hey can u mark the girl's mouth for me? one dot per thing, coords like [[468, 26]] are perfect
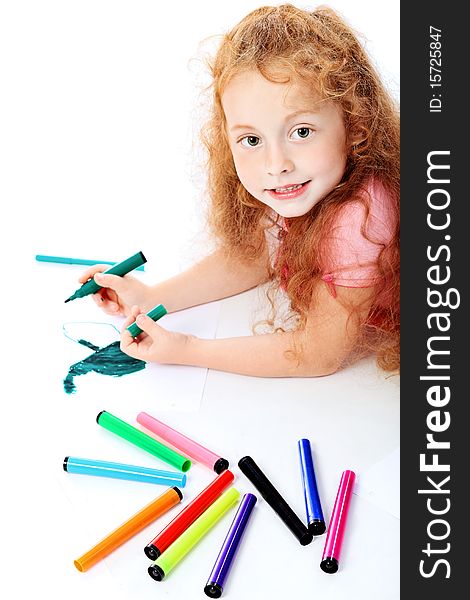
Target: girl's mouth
[[287, 192]]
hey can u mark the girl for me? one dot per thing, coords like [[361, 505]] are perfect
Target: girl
[[303, 166]]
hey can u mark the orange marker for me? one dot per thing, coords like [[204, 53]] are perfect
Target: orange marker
[[128, 529]]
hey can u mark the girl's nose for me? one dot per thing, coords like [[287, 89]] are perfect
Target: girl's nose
[[278, 162]]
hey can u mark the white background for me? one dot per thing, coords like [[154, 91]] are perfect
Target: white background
[[100, 107]]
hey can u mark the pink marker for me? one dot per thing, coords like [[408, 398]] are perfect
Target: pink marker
[[180, 441], [334, 537]]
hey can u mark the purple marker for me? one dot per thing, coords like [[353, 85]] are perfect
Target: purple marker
[[215, 584]]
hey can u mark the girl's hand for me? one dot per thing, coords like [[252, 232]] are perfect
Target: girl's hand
[[154, 344], [118, 294]]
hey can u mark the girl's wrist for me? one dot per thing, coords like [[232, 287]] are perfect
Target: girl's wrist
[[155, 296], [190, 351]]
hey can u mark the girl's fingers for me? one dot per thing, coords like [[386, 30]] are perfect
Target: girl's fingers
[[148, 325], [113, 282], [106, 302], [136, 347], [98, 298], [130, 346], [131, 318], [127, 339], [135, 310], [90, 272]]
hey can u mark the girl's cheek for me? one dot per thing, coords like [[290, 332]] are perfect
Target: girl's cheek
[[243, 165]]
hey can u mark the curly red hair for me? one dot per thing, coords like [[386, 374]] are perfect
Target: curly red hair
[[317, 49]]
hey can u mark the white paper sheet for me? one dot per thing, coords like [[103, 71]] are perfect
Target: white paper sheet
[[162, 386], [381, 484]]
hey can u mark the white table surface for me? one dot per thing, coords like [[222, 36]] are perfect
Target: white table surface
[[51, 518]]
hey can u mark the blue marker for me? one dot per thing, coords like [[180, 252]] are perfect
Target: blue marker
[[68, 260], [101, 468], [315, 520]]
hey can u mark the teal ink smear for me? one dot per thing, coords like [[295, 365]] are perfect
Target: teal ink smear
[[88, 345], [109, 360]]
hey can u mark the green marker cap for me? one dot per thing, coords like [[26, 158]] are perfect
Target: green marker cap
[[142, 440], [156, 313]]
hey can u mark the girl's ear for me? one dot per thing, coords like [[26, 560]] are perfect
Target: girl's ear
[[358, 140], [357, 132], [358, 136]]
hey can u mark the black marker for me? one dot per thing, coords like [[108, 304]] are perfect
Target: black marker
[[274, 499]]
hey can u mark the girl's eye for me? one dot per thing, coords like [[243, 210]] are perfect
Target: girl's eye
[[250, 141], [301, 133]]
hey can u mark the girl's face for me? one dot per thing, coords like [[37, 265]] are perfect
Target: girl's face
[[289, 149]]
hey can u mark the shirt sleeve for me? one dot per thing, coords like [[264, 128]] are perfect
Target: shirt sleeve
[[352, 246]]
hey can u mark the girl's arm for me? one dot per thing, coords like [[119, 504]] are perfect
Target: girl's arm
[[216, 276], [328, 338]]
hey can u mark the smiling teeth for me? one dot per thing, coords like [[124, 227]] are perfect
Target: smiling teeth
[[291, 188]]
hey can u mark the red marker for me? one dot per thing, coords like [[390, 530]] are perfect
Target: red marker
[[188, 515]]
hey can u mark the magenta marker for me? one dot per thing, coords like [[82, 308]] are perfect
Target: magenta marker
[[334, 537], [183, 443]]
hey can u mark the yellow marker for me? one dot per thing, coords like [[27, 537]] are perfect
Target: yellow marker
[[179, 548]]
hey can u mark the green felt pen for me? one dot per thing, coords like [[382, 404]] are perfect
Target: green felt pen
[[156, 313], [189, 538], [142, 440], [91, 287], [68, 260]]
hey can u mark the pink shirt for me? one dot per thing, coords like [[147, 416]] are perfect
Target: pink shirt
[[350, 257]]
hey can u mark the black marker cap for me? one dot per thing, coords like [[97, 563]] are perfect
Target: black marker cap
[[329, 565], [99, 415], [179, 492], [156, 572], [66, 460], [221, 465], [317, 527], [152, 552], [213, 590], [304, 537]]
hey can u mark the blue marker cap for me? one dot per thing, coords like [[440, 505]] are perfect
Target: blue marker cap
[[315, 520]]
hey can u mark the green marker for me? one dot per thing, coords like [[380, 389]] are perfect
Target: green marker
[[142, 440], [156, 313], [121, 269], [189, 538]]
